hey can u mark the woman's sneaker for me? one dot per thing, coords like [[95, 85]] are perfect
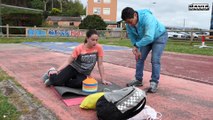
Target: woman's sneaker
[[153, 87], [47, 83], [136, 83], [46, 75]]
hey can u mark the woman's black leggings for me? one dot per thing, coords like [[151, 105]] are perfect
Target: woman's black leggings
[[68, 77]]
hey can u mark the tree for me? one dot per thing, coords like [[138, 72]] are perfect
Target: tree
[[45, 4], [73, 8], [55, 11], [37, 4], [93, 22], [60, 2], [22, 3]]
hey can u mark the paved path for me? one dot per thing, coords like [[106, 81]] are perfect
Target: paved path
[[191, 67], [177, 98]]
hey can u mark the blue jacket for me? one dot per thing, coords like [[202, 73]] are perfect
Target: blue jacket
[[147, 30]]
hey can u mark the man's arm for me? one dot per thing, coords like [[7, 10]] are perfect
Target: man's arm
[[150, 26], [131, 36]]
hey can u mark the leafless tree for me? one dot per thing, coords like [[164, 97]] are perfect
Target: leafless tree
[[45, 4], [60, 1]]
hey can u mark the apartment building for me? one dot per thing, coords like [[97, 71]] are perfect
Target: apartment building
[[107, 9]]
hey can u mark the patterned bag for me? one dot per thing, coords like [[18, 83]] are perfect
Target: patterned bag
[[120, 104]]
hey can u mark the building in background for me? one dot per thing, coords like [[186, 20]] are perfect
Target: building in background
[[63, 21], [107, 9]]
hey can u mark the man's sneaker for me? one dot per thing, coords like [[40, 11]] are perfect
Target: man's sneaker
[[153, 87], [47, 83], [134, 83]]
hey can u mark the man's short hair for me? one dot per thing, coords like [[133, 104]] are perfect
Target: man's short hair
[[127, 13]]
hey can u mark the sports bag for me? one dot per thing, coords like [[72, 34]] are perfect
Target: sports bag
[[121, 104]]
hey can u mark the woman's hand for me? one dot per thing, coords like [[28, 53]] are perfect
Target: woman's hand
[[52, 72], [106, 82]]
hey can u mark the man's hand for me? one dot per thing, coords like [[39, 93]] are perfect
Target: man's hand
[[134, 50], [137, 55]]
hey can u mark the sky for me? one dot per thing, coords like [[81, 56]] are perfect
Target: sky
[[172, 13]]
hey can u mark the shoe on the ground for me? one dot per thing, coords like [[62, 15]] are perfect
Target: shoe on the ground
[[45, 77], [47, 83], [153, 87], [135, 83]]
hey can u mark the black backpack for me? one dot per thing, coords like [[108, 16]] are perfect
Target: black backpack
[[120, 104]]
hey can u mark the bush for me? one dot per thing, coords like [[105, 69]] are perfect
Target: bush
[[21, 19], [55, 11], [93, 22]]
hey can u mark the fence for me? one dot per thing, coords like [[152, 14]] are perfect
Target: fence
[[57, 32], [70, 32]]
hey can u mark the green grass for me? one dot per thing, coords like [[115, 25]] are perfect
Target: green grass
[[187, 47], [55, 39], [117, 41], [4, 76], [7, 110], [179, 46]]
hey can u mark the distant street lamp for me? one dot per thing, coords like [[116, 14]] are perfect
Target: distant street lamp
[[152, 4], [211, 23], [184, 24]]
